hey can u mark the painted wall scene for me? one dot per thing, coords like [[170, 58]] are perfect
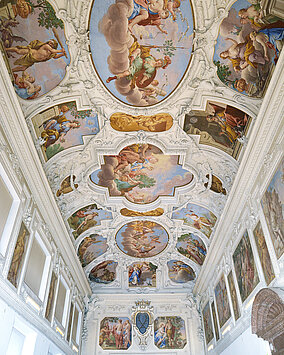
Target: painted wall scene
[[191, 246], [180, 272], [248, 47], [142, 274], [273, 206], [91, 247], [245, 267], [198, 217], [207, 322], [63, 126], [67, 185], [263, 253], [145, 48], [141, 173], [34, 45], [115, 333], [18, 255], [104, 273], [169, 333], [220, 125], [215, 322], [222, 302], [129, 213], [142, 239], [86, 218], [233, 294], [127, 123]]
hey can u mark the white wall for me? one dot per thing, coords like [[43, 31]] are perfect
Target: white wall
[[248, 344]]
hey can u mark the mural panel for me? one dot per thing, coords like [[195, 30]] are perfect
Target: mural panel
[[169, 333], [63, 126], [67, 185], [197, 217], [128, 123], [234, 297], [115, 333], [191, 246], [87, 217], [145, 48], [180, 272], [141, 173], [142, 275], [207, 321], [217, 335], [91, 247], [142, 239], [34, 44], [247, 48], [221, 126], [246, 272], [129, 213], [273, 206], [263, 253], [104, 273], [222, 302], [18, 255]]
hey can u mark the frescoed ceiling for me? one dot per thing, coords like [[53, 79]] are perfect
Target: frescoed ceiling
[[140, 116]]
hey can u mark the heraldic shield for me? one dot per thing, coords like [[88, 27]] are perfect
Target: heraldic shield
[[142, 321]]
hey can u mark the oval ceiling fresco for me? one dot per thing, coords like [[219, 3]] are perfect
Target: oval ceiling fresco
[[145, 47], [142, 239]]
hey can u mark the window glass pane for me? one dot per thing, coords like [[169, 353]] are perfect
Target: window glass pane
[[6, 201], [75, 325], [35, 267], [60, 302], [16, 343]]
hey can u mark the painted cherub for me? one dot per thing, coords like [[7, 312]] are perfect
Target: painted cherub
[[252, 14]]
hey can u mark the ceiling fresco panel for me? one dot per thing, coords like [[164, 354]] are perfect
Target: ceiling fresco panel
[[191, 246], [145, 48], [180, 272], [91, 247], [248, 47], [33, 41]]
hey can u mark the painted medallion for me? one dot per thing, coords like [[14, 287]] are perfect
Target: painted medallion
[[142, 239], [104, 273], [169, 333], [141, 173], [33, 41], [180, 272], [91, 247], [145, 47], [142, 274], [248, 47], [191, 246]]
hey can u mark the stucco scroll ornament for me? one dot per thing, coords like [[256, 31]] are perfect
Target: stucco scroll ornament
[[142, 319]]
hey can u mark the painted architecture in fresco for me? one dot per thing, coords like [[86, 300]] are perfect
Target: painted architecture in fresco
[[129, 213], [145, 49], [63, 126], [67, 185], [141, 173], [207, 322], [91, 247], [214, 316], [169, 333], [34, 44], [220, 125], [142, 239], [87, 217], [115, 333], [247, 48], [233, 294], [127, 123], [222, 302], [191, 246], [273, 205], [180, 272], [104, 273], [142, 274], [198, 217], [18, 255], [263, 253], [245, 267]]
